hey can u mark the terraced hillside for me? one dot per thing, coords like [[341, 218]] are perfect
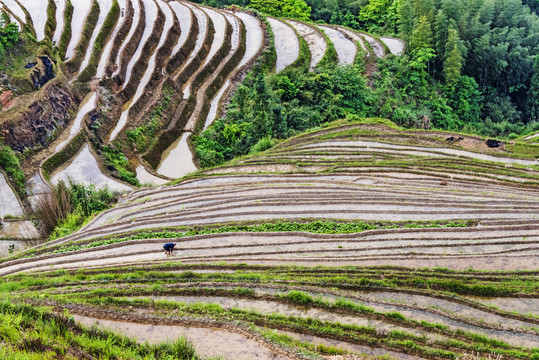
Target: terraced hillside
[[358, 239], [136, 78], [276, 251]]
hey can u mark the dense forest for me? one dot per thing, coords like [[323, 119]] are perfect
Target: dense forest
[[470, 66]]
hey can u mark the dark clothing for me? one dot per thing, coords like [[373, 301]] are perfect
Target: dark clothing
[[169, 246]]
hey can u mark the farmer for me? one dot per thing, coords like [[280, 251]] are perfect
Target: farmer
[[169, 248]]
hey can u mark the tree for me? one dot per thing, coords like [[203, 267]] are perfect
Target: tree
[[453, 59], [374, 14], [297, 9], [466, 99], [533, 93], [405, 19], [421, 45]]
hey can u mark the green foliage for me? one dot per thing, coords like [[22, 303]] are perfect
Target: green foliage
[[263, 144], [88, 199], [299, 297], [116, 160], [71, 206], [296, 9], [377, 15], [533, 93], [143, 136], [317, 227], [50, 25], [29, 332], [10, 163], [280, 106], [9, 36], [62, 156], [66, 34]]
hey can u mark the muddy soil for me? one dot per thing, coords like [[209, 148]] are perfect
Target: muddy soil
[[208, 342], [269, 307], [352, 348], [19, 229], [448, 151], [524, 306]]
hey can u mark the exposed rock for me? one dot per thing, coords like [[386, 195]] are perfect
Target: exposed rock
[[493, 143], [454, 138], [37, 124], [5, 99], [43, 73], [30, 65]]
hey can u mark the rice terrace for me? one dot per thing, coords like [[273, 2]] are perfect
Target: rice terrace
[[269, 179]]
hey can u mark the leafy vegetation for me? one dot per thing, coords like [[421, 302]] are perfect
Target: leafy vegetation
[[118, 163], [296, 9], [279, 106], [29, 332], [10, 163], [67, 208], [9, 36]]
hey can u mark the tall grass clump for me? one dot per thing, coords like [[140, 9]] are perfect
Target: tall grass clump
[[67, 207]]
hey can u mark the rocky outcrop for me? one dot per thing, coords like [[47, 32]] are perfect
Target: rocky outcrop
[[36, 126], [43, 72]]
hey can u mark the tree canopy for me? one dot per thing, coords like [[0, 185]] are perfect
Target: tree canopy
[[296, 9]]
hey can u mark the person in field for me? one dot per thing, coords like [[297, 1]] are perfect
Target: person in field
[[169, 248]]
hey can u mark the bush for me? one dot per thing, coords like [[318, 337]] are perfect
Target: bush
[[263, 144], [10, 163], [66, 208], [299, 297]]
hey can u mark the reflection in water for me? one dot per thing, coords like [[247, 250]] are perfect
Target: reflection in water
[[8, 200], [84, 169], [177, 160]]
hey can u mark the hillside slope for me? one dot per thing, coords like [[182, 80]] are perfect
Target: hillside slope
[[358, 192]]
